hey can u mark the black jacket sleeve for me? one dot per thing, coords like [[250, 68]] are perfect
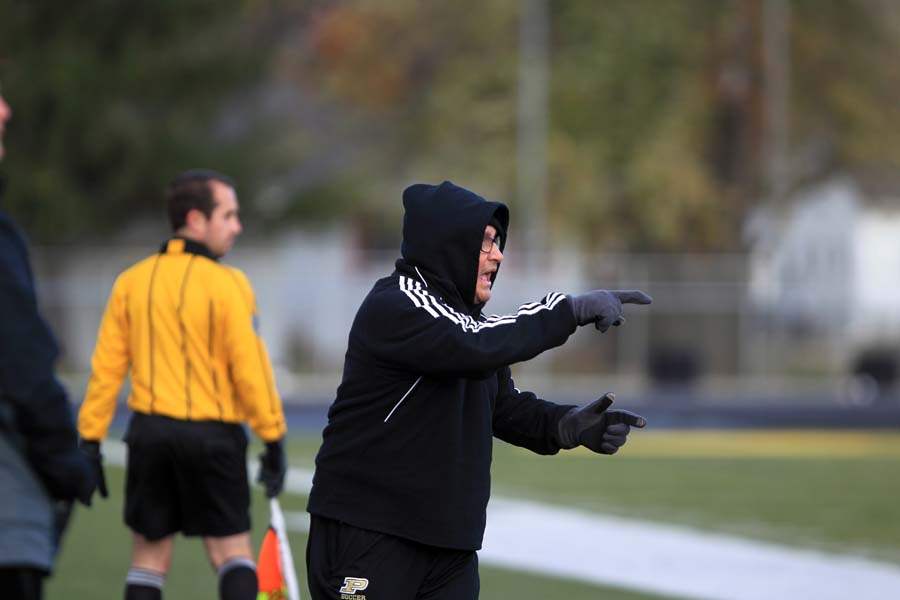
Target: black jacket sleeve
[[522, 419], [414, 330], [43, 417]]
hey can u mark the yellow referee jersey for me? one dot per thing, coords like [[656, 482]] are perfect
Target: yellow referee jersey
[[184, 325]]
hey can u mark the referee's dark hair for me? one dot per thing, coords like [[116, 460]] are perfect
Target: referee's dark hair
[[190, 191]]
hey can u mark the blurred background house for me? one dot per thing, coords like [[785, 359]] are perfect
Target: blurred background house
[[822, 273]]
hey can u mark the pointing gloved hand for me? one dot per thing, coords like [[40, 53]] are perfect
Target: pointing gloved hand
[[596, 428], [91, 449], [272, 468], [603, 308]]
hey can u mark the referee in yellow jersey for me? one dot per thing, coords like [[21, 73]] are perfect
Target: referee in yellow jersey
[[184, 325]]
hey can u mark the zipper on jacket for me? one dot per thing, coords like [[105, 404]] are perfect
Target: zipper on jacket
[[408, 392], [420, 276]]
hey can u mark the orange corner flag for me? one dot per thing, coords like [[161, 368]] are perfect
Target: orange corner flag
[[275, 567], [272, 585]]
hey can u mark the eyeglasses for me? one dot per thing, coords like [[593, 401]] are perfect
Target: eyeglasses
[[487, 244]]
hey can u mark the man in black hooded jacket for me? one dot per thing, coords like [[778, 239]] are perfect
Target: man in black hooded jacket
[[402, 478], [41, 468]]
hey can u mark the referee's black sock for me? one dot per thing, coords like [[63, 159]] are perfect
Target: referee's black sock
[[144, 584], [237, 580]]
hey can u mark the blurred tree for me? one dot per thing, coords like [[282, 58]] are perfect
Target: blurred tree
[[111, 99], [847, 82], [666, 100], [424, 92], [658, 135], [658, 125], [626, 100]]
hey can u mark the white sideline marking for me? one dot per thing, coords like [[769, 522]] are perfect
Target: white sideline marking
[[672, 560], [655, 558]]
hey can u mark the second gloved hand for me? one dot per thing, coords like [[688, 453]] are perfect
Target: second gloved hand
[[604, 307], [272, 468], [597, 428], [92, 450]]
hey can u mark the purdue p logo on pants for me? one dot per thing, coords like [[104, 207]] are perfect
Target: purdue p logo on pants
[[354, 584]]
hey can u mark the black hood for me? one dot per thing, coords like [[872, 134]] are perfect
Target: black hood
[[443, 227]]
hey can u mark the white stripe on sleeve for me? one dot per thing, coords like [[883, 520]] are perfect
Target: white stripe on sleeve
[[422, 298], [407, 286]]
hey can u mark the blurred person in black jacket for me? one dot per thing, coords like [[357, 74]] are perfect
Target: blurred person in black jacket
[[402, 480], [41, 468]]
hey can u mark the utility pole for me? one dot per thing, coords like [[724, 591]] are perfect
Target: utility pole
[[531, 143], [756, 352], [777, 90]]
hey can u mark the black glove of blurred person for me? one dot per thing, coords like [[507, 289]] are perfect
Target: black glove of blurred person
[[62, 514], [603, 308], [596, 428], [91, 449], [272, 468]]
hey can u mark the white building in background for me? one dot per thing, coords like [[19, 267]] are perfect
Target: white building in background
[[830, 262]]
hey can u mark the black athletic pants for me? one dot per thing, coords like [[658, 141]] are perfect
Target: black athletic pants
[[347, 563], [21, 583]]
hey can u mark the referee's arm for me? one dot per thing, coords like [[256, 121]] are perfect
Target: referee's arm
[[109, 367], [250, 368]]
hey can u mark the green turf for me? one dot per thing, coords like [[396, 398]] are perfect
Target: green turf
[[502, 584], [823, 502], [95, 558], [831, 504]]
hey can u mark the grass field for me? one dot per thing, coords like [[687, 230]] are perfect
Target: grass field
[[832, 491]]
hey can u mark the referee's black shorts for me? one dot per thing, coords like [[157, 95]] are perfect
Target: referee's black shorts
[[187, 476]]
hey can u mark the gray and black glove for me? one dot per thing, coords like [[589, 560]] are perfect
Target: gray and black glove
[[596, 428], [91, 449], [603, 308], [272, 468]]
